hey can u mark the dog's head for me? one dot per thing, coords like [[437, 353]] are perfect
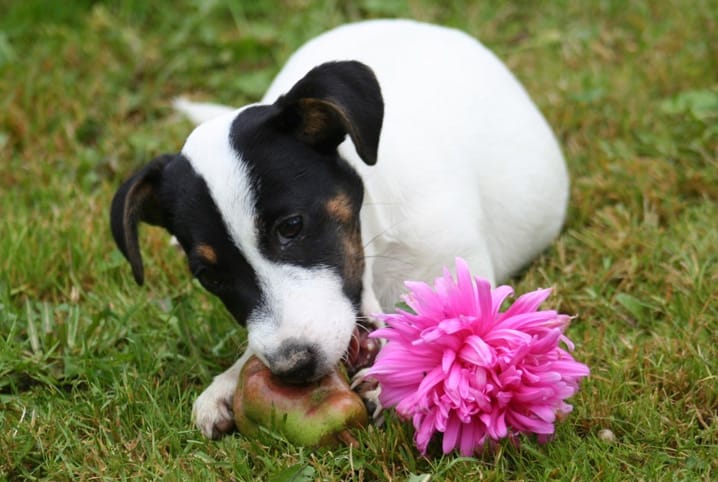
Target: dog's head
[[267, 213]]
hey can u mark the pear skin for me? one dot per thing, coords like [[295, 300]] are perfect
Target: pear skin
[[316, 414]]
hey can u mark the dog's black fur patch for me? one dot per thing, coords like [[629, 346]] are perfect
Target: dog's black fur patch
[[294, 179], [179, 200]]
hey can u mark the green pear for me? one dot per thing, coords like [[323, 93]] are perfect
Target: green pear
[[317, 414]]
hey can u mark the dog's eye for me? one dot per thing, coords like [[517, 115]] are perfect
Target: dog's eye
[[289, 228], [208, 280]]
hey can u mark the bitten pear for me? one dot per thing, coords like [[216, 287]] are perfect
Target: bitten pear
[[316, 414]]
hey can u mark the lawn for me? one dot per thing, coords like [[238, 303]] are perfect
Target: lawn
[[98, 375]]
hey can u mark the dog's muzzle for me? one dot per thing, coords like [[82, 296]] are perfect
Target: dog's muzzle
[[295, 363]]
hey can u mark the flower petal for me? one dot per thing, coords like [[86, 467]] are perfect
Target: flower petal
[[451, 435], [465, 285], [483, 291], [447, 360], [527, 302], [477, 352], [497, 298], [472, 437]]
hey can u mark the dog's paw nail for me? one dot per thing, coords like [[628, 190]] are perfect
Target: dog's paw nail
[[222, 427], [213, 417], [368, 389]]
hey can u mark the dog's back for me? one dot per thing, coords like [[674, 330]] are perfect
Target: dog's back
[[467, 165]]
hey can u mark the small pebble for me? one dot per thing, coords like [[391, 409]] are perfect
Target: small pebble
[[606, 435]]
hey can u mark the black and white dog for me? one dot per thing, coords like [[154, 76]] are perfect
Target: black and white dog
[[382, 151]]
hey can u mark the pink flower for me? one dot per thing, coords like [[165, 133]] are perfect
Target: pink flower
[[461, 367]]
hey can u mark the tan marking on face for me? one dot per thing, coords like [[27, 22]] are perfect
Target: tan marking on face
[[353, 255], [207, 252], [340, 208]]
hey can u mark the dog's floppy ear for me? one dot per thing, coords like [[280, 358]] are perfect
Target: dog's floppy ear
[[332, 100], [136, 200]]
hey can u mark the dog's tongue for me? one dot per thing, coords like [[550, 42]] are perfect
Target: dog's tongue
[[362, 350]]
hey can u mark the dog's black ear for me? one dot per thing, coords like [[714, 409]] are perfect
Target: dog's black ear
[[136, 200], [332, 100]]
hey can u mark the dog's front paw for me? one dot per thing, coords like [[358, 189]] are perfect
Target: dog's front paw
[[368, 389], [212, 411]]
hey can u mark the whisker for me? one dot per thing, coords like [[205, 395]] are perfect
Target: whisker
[[385, 256], [365, 328], [374, 203], [362, 319], [391, 258], [376, 236]]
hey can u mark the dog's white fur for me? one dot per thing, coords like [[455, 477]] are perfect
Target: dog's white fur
[[467, 166]]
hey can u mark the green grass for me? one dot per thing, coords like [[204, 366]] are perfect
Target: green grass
[[97, 376]]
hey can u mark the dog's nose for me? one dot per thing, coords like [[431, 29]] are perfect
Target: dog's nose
[[294, 363]]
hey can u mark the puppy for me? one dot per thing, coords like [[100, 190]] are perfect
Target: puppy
[[382, 151]]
